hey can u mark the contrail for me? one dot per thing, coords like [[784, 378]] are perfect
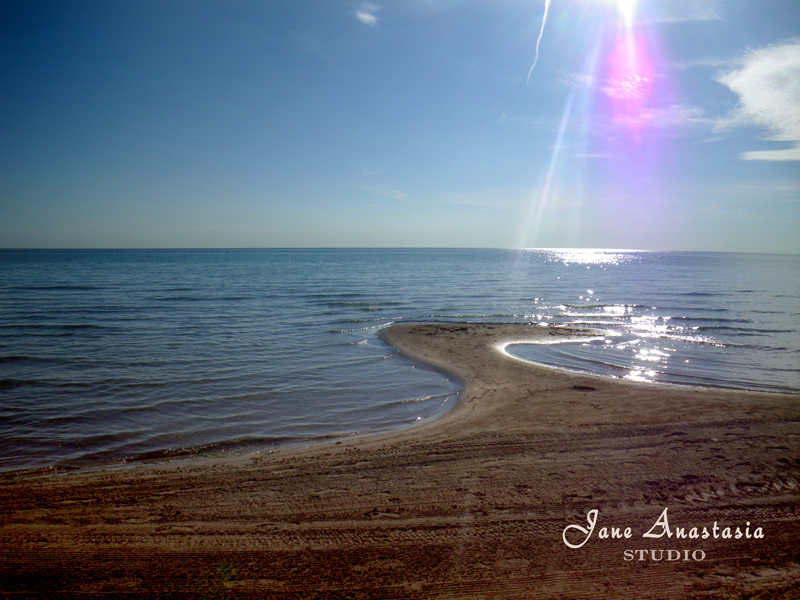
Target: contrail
[[541, 31]]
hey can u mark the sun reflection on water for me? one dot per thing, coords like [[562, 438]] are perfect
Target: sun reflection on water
[[585, 256]]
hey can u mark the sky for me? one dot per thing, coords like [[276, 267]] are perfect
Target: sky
[[649, 124]]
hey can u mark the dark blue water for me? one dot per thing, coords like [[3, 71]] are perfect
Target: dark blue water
[[116, 355]]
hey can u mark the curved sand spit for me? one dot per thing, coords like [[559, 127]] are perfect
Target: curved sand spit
[[473, 505]]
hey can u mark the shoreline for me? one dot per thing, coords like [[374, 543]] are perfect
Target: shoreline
[[737, 386], [471, 504]]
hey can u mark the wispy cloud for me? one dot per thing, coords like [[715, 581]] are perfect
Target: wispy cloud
[[366, 13], [576, 80], [527, 121], [602, 155], [790, 190], [631, 86], [393, 194], [678, 11], [311, 43], [674, 119], [758, 192], [673, 116], [704, 62], [768, 85], [711, 140], [501, 198]]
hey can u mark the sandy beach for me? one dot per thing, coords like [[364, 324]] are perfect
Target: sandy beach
[[540, 483]]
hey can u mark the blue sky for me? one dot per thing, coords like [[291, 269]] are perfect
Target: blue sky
[[657, 124]]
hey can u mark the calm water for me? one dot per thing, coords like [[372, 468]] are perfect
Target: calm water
[[114, 355]]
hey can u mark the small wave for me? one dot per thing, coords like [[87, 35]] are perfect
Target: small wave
[[362, 305], [57, 288], [577, 319], [17, 358], [183, 299], [422, 399], [8, 384], [709, 320], [49, 327], [692, 308], [161, 454], [607, 307], [697, 340], [365, 320], [465, 317], [741, 330], [617, 318], [227, 446], [381, 326]]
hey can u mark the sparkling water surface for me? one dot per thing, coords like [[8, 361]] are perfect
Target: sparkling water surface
[[116, 355]]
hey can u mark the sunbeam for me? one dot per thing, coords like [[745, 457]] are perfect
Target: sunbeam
[[530, 236]]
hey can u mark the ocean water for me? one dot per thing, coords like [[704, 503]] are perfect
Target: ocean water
[[111, 356]]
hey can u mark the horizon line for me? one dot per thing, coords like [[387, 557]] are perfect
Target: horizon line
[[366, 248]]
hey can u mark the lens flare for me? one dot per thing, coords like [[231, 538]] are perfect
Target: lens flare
[[615, 125], [630, 80]]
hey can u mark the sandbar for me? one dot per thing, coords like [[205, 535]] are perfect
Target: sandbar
[[539, 483]]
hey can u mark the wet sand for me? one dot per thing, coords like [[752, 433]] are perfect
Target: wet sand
[[473, 505]]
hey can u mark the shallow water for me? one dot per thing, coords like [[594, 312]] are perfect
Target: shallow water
[[112, 355]]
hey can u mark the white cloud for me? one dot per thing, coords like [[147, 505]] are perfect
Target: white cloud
[[576, 80], [776, 155], [768, 85], [672, 117], [366, 14], [703, 62]]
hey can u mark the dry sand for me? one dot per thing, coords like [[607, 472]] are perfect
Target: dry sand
[[473, 505]]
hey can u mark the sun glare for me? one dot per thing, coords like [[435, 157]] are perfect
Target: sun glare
[[627, 8]]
